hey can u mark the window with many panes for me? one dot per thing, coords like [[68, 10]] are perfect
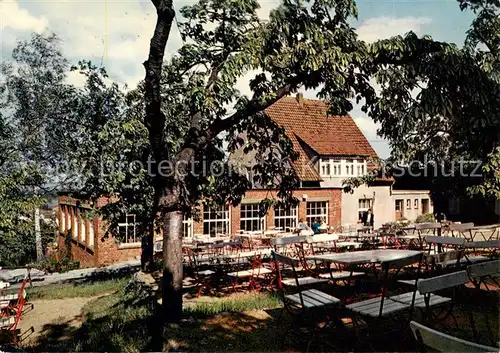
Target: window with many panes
[[349, 167], [127, 228], [250, 219], [360, 165], [215, 220], [337, 168], [316, 210], [285, 217], [334, 167]]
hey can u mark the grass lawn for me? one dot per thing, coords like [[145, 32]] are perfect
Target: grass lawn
[[87, 289], [125, 321]]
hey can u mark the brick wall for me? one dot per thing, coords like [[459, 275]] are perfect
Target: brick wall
[[332, 195], [111, 252], [107, 251], [100, 251]]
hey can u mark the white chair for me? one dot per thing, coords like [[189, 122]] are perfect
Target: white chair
[[442, 342]]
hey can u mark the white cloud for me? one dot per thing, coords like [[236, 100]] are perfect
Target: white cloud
[[16, 18], [116, 33], [369, 128], [385, 27]]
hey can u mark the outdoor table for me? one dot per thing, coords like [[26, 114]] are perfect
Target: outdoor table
[[365, 256], [483, 244], [359, 236], [408, 239], [343, 244], [492, 228], [246, 254]]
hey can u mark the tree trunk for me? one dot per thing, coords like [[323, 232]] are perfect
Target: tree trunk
[[38, 236], [147, 248], [172, 266]]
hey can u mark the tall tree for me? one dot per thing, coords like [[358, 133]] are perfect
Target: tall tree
[[304, 44], [34, 96]]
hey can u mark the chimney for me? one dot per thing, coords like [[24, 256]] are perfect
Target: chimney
[[300, 99]]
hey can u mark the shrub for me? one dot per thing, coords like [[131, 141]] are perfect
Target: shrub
[[425, 218]]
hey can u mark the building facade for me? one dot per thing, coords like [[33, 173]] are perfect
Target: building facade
[[330, 149]]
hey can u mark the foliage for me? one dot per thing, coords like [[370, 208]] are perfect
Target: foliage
[[17, 205], [35, 140], [113, 148], [429, 108], [425, 218], [490, 187]]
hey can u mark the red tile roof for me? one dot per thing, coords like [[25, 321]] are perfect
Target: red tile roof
[[326, 135]]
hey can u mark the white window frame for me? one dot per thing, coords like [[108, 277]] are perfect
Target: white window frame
[[283, 216], [349, 167], [222, 217], [325, 169], [187, 227], [362, 205], [317, 205], [334, 167], [416, 203], [255, 207], [129, 225], [408, 204]]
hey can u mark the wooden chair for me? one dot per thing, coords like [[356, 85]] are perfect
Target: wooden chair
[[301, 301], [441, 342], [478, 273], [435, 264], [481, 271], [385, 305], [427, 300], [284, 244], [444, 241], [252, 275], [463, 230]]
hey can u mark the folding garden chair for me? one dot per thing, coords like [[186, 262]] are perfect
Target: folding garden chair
[[285, 244], [444, 241], [386, 308], [478, 273], [251, 275], [13, 307], [435, 264], [423, 230], [441, 342], [428, 302], [199, 270], [461, 230], [309, 306]]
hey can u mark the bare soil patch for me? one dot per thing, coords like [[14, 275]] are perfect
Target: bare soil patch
[[47, 313]]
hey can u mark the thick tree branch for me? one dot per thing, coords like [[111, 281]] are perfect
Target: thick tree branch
[[155, 119]]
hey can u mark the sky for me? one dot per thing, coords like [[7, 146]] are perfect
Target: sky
[[117, 32]]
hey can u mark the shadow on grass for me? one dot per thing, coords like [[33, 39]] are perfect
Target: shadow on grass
[[128, 322]]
